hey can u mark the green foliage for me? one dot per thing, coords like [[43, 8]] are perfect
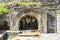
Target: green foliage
[[28, 3], [4, 10], [2, 5], [21, 3], [54, 13]]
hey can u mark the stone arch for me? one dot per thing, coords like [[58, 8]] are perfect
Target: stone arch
[[19, 15], [23, 12], [33, 14]]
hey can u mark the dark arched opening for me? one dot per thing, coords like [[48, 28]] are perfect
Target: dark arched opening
[[28, 23]]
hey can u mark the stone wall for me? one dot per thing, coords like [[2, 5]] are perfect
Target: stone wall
[[3, 22], [38, 13], [58, 23], [51, 23]]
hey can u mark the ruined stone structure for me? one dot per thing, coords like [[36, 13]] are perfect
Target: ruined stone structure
[[46, 23], [45, 20], [32, 21], [18, 13]]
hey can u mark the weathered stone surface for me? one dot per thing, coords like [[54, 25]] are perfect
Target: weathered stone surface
[[58, 23], [41, 37], [37, 13]]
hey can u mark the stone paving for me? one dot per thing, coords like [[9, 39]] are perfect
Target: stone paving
[[50, 37], [55, 36]]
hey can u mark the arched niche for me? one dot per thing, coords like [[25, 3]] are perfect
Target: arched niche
[[38, 15], [28, 22], [34, 15]]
